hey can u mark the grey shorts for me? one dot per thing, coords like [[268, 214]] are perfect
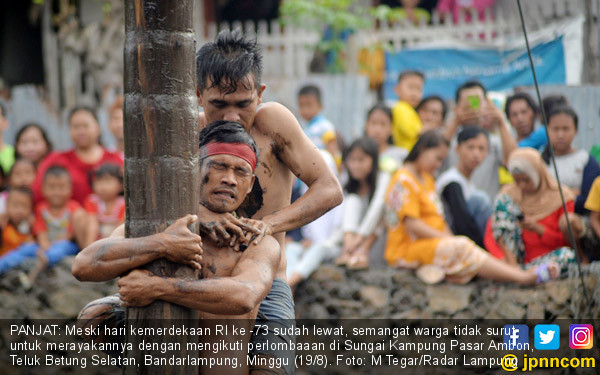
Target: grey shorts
[[275, 311]]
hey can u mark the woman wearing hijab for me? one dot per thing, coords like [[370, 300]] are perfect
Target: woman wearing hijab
[[524, 225]]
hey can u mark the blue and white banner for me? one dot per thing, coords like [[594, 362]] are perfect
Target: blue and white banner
[[500, 68]]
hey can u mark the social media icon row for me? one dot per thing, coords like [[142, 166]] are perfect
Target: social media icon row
[[547, 336]]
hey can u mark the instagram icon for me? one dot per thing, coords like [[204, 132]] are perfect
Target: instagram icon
[[581, 336]]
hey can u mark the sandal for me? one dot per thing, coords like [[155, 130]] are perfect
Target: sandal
[[343, 259], [359, 260]]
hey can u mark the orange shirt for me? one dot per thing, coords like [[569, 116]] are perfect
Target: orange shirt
[[407, 196], [11, 239], [59, 227]]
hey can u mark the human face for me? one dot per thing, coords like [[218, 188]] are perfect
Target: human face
[[525, 183], [359, 164], [22, 174], [115, 124], [56, 190], [521, 117], [19, 206], [84, 129], [472, 152], [308, 106], [410, 89], [32, 145], [379, 127], [107, 187], [561, 131], [239, 106], [225, 182], [432, 115], [431, 159]]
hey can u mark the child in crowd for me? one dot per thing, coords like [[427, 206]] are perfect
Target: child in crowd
[[577, 169], [418, 236], [379, 127], [353, 238], [467, 208], [21, 175], [7, 152], [522, 113], [432, 112], [407, 124], [317, 128], [106, 206], [19, 220], [60, 223]]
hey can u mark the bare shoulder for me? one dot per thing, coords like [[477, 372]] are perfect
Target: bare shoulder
[[272, 116], [267, 248]]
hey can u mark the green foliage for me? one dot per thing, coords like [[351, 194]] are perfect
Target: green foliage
[[339, 16]]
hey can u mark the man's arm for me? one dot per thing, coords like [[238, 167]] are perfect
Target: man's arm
[[111, 257], [249, 283], [305, 161]]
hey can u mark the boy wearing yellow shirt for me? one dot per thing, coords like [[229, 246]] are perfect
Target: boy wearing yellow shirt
[[407, 124]]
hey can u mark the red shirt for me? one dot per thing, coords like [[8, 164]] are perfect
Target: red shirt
[[108, 220], [535, 245], [79, 171]]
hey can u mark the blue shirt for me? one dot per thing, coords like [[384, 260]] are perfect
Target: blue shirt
[[537, 139], [316, 129]]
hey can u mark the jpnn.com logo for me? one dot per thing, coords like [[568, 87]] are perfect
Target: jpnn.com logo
[[516, 337]]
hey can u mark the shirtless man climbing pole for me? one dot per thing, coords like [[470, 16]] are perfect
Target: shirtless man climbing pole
[[232, 284]]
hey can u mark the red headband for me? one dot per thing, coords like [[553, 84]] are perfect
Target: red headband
[[241, 150]]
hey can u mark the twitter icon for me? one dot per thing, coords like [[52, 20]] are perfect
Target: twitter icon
[[547, 336]]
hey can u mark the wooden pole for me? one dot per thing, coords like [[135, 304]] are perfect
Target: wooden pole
[[161, 153]]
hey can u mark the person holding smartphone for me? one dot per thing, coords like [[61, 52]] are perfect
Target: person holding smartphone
[[474, 108]]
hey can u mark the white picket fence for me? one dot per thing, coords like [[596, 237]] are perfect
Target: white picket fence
[[288, 50]]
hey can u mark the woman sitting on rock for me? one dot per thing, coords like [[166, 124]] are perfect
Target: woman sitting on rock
[[418, 236], [525, 227]]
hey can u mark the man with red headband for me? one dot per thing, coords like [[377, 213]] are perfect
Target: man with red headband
[[232, 284]]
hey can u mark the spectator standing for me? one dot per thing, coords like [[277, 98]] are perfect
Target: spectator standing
[[407, 124]]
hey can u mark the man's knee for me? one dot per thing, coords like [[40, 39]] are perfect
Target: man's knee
[[102, 311]]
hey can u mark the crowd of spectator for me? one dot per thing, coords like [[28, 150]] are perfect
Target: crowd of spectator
[[454, 196], [472, 195], [52, 203]]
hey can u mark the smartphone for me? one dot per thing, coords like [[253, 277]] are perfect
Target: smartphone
[[473, 102]]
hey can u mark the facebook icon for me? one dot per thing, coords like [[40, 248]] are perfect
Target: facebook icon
[[516, 337]]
